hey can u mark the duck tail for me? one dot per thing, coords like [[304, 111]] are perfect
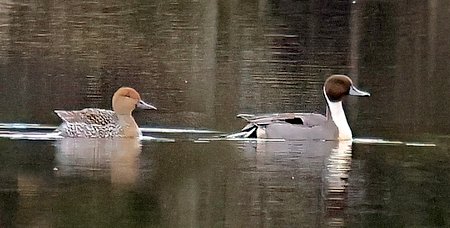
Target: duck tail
[[248, 131]]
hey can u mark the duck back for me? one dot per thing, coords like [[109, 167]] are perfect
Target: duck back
[[89, 123]]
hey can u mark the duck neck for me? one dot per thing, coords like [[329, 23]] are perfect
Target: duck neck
[[130, 128], [335, 113]]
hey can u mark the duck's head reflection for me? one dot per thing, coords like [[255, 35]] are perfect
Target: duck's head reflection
[[311, 165], [338, 166], [114, 158]]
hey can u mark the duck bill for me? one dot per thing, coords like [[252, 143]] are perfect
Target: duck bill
[[142, 105], [356, 92]]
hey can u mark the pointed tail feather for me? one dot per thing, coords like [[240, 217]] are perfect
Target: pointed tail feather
[[67, 116], [248, 132]]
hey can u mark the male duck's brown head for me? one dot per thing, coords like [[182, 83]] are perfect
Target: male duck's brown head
[[335, 89], [338, 86]]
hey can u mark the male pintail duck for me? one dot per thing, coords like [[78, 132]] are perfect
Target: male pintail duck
[[303, 126], [101, 123]]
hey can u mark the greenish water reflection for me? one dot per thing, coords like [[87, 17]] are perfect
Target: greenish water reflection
[[187, 184]]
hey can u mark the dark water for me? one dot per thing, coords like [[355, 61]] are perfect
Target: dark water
[[201, 63]]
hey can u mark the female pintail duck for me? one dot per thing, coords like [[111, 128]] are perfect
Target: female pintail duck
[[101, 123], [333, 126]]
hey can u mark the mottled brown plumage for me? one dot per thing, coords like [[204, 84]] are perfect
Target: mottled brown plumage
[[101, 123]]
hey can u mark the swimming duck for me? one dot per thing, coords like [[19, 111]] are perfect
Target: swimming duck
[[101, 123], [332, 126]]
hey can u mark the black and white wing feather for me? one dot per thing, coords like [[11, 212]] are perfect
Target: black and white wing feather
[[306, 120]]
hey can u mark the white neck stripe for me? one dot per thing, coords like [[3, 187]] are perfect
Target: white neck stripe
[[337, 115]]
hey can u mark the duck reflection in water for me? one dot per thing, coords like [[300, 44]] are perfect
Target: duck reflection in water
[[297, 174], [335, 188], [117, 158]]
